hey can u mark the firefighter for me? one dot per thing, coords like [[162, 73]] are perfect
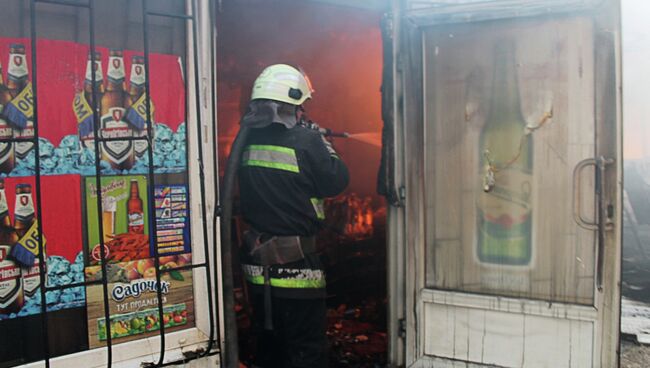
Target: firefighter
[[287, 168]]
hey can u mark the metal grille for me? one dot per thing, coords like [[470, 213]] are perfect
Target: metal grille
[[146, 14]]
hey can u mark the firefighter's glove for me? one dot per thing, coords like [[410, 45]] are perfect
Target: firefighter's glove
[[329, 146], [311, 125]]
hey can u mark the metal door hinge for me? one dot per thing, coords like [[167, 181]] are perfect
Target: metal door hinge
[[388, 25], [401, 326], [399, 63], [402, 194]]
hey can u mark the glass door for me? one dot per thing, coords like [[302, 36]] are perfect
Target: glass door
[[511, 126]]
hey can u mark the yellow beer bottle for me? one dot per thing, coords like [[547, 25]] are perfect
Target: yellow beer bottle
[[504, 211]]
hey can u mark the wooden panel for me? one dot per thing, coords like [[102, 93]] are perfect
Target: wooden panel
[[506, 339], [582, 344], [503, 342], [450, 274], [550, 334], [439, 332]]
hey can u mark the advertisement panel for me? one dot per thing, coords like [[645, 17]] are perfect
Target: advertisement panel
[[67, 94], [134, 303]]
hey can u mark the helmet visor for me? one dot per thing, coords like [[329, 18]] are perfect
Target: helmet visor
[[309, 85]]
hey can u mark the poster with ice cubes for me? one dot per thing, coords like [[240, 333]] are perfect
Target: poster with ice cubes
[[66, 123], [62, 239], [66, 128], [70, 85]]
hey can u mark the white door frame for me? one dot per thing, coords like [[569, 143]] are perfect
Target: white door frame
[[410, 302]]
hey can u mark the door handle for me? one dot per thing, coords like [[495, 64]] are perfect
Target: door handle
[[600, 164], [577, 194], [602, 221]]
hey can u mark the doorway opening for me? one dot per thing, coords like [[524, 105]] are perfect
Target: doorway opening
[[340, 48]]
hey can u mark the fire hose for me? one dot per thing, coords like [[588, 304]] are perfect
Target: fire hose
[[231, 351]]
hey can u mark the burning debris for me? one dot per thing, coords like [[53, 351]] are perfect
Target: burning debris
[[354, 252], [353, 245], [357, 334], [350, 217]]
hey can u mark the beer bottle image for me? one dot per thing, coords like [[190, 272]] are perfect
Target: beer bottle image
[[135, 210], [17, 81], [504, 213], [23, 220], [119, 154], [138, 117], [7, 154], [136, 81], [84, 108], [11, 282]]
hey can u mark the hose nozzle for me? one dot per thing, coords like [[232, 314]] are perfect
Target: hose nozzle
[[330, 133], [324, 131]]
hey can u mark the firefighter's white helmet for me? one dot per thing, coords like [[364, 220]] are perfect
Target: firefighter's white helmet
[[281, 82]]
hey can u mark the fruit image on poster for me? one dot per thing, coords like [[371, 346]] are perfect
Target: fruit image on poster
[[135, 323], [134, 303], [124, 218]]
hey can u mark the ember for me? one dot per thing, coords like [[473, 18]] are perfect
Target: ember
[[357, 334], [350, 216]]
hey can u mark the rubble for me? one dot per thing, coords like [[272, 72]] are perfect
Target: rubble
[[353, 249], [357, 334]]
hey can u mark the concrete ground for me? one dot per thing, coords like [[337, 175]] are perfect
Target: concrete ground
[[634, 355]]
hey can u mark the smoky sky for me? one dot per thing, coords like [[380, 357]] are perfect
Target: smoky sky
[[636, 78]]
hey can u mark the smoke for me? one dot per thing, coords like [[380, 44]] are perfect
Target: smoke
[[338, 47], [636, 77]]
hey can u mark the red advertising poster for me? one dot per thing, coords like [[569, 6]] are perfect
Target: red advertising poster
[[66, 90], [62, 230], [64, 85]]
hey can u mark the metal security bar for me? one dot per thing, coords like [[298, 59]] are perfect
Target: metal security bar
[[90, 5], [213, 8]]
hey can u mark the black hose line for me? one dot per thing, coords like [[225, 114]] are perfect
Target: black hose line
[[231, 351]]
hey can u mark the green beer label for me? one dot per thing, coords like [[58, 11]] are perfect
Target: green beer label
[[505, 220]]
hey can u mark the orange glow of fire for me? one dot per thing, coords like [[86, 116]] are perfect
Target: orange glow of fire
[[354, 215]]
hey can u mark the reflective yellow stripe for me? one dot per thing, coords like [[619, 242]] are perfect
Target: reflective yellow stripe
[[298, 283], [272, 157], [296, 278], [271, 165], [288, 283], [268, 147], [318, 207]]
